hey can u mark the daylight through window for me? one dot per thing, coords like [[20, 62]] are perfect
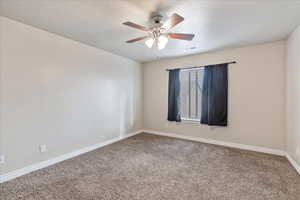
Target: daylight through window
[[190, 94]]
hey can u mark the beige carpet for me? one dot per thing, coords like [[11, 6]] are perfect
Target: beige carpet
[[148, 167]]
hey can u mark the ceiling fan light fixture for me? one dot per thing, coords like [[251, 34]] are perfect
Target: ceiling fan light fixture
[[162, 42], [149, 43]]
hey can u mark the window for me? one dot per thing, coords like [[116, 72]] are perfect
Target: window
[[190, 94]]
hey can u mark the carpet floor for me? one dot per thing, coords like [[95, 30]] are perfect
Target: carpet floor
[[149, 167]]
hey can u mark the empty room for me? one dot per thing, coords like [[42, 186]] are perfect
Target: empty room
[[149, 100]]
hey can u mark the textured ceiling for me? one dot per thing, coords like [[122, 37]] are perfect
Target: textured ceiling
[[217, 24]]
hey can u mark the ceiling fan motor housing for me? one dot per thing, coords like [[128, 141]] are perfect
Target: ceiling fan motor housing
[[157, 19]]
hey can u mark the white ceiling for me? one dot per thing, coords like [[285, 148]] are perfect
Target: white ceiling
[[217, 24]]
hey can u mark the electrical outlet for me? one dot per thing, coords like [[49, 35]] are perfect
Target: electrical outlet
[[2, 159], [43, 148]]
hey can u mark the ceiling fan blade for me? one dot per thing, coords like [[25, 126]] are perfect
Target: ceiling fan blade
[[173, 21], [181, 36], [133, 25], [137, 39]]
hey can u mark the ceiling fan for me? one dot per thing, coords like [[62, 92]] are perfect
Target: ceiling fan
[[158, 33]]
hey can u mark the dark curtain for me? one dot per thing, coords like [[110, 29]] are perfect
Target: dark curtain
[[174, 96], [215, 95]]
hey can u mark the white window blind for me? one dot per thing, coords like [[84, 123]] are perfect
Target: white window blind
[[190, 94]]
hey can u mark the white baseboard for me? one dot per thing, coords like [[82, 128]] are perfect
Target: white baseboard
[[221, 143], [293, 163], [20, 172]]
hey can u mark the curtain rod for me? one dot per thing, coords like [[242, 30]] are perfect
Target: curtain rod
[[233, 62]]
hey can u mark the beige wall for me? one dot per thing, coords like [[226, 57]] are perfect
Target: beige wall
[[1, 140], [61, 93], [256, 96], [293, 95]]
